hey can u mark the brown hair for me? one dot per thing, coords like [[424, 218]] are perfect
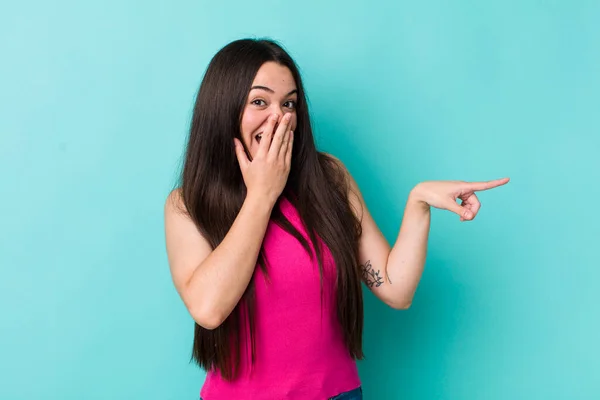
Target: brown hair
[[213, 192]]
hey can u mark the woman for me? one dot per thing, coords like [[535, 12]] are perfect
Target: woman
[[268, 239]]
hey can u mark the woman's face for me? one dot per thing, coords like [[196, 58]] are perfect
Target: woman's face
[[273, 91]]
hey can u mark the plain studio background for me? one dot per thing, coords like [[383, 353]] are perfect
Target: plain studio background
[[95, 100]]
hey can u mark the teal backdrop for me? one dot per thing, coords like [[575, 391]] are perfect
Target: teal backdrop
[[95, 101]]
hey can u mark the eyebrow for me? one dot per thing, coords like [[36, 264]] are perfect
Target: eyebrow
[[271, 90]]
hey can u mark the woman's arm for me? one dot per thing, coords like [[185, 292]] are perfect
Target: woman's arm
[[211, 282], [392, 273], [406, 260]]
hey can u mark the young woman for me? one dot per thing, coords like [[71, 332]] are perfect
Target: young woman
[[268, 239]]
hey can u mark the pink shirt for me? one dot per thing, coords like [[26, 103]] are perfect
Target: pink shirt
[[300, 352]]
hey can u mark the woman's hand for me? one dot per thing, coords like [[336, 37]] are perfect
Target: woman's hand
[[443, 195], [266, 175]]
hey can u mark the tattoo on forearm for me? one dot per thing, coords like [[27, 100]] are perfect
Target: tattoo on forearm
[[370, 276]]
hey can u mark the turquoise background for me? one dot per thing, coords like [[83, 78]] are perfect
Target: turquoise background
[[95, 100]]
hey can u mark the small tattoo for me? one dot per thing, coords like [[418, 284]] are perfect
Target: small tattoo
[[370, 276]]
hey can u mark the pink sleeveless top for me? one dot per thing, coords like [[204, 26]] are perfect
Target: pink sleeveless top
[[300, 351]]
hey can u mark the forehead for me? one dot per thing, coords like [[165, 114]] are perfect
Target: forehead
[[275, 76]]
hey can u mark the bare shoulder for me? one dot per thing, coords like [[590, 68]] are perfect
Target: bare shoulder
[[186, 247], [330, 157], [177, 219], [339, 166], [174, 202], [354, 194]]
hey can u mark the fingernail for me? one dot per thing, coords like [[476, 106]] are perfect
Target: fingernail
[[274, 117]]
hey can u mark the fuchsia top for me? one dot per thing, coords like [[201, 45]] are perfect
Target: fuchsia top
[[300, 351]]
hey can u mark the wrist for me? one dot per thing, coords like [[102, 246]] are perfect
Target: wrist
[[416, 197], [259, 204]]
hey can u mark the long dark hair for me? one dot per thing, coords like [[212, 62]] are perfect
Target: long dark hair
[[213, 191]]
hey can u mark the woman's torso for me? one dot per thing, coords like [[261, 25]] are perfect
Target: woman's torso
[[300, 351]]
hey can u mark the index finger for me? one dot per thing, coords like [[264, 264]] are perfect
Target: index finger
[[476, 186], [265, 143]]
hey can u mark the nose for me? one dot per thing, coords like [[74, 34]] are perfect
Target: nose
[[279, 112]]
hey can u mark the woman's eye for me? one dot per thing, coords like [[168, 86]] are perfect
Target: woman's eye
[[288, 104]]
